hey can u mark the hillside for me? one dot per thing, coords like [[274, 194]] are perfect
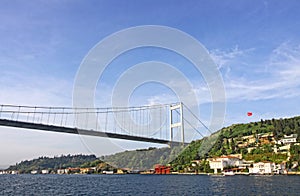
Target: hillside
[[232, 138], [143, 158], [255, 141], [61, 162], [228, 140]]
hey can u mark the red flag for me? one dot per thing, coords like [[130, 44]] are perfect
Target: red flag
[[249, 113]]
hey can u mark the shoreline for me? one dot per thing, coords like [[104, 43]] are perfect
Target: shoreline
[[189, 174]]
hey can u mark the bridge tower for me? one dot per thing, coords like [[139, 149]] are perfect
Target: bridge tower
[[176, 123]]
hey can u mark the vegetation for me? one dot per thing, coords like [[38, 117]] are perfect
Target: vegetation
[[295, 157], [230, 136], [54, 163], [143, 158], [272, 157], [178, 157], [190, 153], [229, 140]]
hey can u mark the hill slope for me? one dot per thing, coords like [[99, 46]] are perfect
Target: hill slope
[[233, 139], [226, 141], [53, 163], [143, 158]]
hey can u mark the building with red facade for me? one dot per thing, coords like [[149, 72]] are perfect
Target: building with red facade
[[162, 169]]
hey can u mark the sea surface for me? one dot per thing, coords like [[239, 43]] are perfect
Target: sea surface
[[148, 185]]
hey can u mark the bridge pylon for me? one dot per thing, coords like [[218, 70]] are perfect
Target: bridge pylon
[[176, 123]]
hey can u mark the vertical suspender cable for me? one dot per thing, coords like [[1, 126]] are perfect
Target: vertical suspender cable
[[62, 115], [34, 114], [86, 118], [160, 136], [114, 120], [27, 117], [74, 117], [123, 121], [66, 119], [12, 115], [97, 113], [106, 119], [54, 118], [48, 115], [1, 110], [19, 108], [139, 123], [42, 114]]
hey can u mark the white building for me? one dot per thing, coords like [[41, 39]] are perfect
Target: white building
[[280, 168], [45, 171], [262, 168], [14, 172], [108, 172], [62, 171], [222, 162], [34, 172], [4, 172], [288, 139]]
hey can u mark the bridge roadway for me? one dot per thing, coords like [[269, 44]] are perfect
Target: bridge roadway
[[61, 129]]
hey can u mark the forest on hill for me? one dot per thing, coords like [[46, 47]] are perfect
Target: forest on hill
[[59, 162], [230, 136], [142, 159]]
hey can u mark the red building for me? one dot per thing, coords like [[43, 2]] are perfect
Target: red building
[[162, 169]]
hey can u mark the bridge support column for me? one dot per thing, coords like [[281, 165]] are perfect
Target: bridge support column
[[176, 124]]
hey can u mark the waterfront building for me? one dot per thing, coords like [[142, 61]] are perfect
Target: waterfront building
[[219, 163], [45, 171], [87, 170], [14, 172], [74, 170], [262, 168], [61, 171], [121, 171], [34, 172], [4, 172], [162, 169], [108, 172]]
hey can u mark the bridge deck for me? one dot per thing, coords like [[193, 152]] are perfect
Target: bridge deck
[[60, 129]]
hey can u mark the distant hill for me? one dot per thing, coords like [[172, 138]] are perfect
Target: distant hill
[[61, 162], [143, 158]]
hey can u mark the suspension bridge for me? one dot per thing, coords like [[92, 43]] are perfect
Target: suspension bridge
[[163, 124]]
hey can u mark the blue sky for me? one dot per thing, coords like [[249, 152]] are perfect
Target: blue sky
[[255, 44]]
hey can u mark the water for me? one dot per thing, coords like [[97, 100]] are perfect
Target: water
[[148, 185]]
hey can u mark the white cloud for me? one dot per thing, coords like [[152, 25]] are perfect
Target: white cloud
[[281, 78], [224, 58], [285, 61], [162, 99], [19, 89]]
